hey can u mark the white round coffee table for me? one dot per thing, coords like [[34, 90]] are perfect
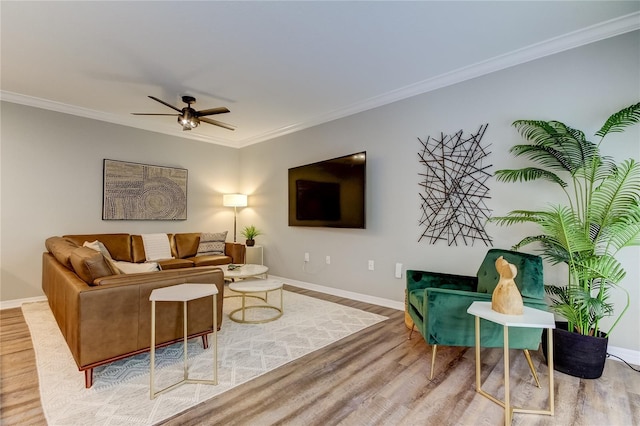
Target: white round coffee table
[[249, 288], [247, 270]]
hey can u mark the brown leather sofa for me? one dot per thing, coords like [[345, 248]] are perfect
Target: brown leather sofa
[[105, 316]]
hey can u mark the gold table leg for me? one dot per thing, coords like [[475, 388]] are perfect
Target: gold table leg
[[186, 378], [506, 404]]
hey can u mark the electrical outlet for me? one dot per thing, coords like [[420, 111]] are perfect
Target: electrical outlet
[[371, 265], [398, 270], [306, 257], [328, 260]]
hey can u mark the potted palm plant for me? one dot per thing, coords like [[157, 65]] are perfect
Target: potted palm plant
[[600, 218], [250, 233]]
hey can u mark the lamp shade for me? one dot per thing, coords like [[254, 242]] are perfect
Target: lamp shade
[[234, 200]]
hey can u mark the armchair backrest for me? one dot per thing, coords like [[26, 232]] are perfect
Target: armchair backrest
[[529, 278]]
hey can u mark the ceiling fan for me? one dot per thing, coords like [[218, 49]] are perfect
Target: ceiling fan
[[188, 117]]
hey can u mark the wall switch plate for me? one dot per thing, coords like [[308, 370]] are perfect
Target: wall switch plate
[[398, 270], [371, 265], [306, 257], [328, 260]]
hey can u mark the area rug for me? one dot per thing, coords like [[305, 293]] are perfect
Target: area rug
[[120, 394]]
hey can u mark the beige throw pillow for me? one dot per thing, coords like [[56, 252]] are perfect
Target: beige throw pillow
[[120, 266], [211, 243]]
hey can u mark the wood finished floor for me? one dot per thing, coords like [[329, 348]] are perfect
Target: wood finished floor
[[374, 377]]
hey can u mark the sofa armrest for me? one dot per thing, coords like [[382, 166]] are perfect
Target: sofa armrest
[[236, 251]]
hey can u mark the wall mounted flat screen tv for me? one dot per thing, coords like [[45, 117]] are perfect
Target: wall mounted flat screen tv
[[329, 193]]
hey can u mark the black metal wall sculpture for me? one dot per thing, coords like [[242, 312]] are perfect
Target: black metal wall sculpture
[[454, 191]]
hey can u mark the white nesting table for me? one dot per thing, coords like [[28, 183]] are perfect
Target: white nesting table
[[183, 293], [249, 288], [531, 318], [246, 270]]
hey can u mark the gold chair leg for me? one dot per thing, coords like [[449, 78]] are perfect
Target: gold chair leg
[[413, 327], [531, 367], [433, 360]]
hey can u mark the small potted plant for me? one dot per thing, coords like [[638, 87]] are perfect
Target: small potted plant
[[250, 233]]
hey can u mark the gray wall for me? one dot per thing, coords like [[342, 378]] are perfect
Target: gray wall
[[581, 87], [52, 184], [51, 176]]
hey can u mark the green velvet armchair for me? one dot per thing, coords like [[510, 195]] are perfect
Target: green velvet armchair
[[437, 304]]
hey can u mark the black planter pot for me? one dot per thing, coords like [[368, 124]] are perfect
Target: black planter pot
[[575, 354], [250, 243]]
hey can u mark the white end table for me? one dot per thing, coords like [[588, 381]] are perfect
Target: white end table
[[531, 318], [249, 288], [255, 254], [183, 293], [246, 270]]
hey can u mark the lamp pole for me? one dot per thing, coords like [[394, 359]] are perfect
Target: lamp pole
[[235, 219], [235, 201]]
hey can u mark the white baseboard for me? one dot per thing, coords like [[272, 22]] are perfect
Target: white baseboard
[[630, 356], [16, 303], [343, 293]]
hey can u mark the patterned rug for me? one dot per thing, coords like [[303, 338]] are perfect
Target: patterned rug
[[120, 394]]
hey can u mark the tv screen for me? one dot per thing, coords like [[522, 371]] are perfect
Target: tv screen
[[329, 193]]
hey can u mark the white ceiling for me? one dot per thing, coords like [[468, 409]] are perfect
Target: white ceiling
[[278, 66]]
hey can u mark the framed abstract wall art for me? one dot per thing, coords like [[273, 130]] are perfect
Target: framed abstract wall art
[[133, 191]]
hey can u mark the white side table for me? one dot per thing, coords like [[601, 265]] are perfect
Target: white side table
[[531, 318], [249, 288], [255, 255], [183, 293]]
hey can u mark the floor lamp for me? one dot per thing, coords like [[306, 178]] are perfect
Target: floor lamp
[[235, 201]]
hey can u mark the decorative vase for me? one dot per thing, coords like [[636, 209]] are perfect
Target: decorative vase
[[576, 354], [250, 243]]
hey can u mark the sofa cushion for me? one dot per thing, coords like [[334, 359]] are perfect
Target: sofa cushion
[[90, 264], [211, 243], [119, 245], [61, 248], [175, 264], [211, 260], [186, 244], [136, 268]]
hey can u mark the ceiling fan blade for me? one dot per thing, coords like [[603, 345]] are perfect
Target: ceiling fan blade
[[212, 111], [145, 113], [164, 103], [217, 123]]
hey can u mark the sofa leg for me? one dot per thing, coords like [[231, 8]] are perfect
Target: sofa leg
[[205, 341], [411, 332], [433, 361], [88, 378]]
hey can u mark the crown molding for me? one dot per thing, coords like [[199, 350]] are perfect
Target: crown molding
[[50, 105], [584, 36], [591, 34]]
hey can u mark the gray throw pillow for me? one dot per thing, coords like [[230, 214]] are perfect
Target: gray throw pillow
[[211, 243]]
